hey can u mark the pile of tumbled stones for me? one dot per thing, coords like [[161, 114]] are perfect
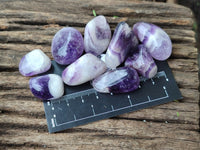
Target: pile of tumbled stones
[[111, 64]]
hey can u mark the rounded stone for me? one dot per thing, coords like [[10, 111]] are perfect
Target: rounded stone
[[119, 80], [47, 87], [84, 69], [34, 62], [97, 35], [67, 45], [155, 39], [142, 61]]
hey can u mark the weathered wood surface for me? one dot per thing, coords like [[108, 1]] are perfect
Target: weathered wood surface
[[26, 25]]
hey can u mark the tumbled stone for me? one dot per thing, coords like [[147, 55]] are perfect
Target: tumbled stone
[[155, 39], [142, 61], [47, 87], [120, 80], [86, 68], [34, 62], [97, 35], [120, 45], [67, 45]]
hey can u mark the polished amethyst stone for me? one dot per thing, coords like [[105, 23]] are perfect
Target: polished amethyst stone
[[97, 35], [120, 80], [34, 62], [155, 39], [47, 87], [119, 46], [84, 69], [67, 46], [142, 61]]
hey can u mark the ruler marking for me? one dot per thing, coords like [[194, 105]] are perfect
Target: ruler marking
[[107, 112], [129, 99], [93, 110], [74, 117], [148, 98], [152, 81], [112, 107], [52, 122]]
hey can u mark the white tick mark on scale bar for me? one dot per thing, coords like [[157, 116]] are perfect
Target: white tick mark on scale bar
[[74, 117], [152, 81], [93, 109], [112, 107]]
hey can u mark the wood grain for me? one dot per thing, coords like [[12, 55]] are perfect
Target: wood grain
[[27, 25]]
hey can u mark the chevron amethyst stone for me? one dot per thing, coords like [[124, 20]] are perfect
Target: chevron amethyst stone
[[67, 46], [155, 39], [119, 46], [120, 80], [34, 62], [97, 35], [142, 61], [84, 69], [47, 87]]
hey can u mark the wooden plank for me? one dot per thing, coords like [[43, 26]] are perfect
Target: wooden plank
[[27, 25], [102, 134]]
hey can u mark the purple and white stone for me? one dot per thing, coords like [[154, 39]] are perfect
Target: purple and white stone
[[119, 46], [155, 39], [120, 80], [67, 46], [84, 69], [34, 62], [47, 87], [142, 61], [97, 35]]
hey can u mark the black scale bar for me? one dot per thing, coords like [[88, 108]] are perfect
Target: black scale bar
[[82, 104]]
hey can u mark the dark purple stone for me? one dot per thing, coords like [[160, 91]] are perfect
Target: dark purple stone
[[142, 61], [120, 45], [39, 87], [67, 46], [120, 80]]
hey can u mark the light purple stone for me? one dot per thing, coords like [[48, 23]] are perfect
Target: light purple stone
[[34, 62], [120, 45], [120, 80], [155, 39], [142, 61], [67, 46], [97, 35], [84, 69], [47, 87]]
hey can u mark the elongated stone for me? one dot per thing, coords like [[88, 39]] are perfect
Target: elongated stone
[[119, 46], [86, 68], [67, 46], [47, 87], [155, 39], [34, 62], [120, 80], [142, 61], [97, 35]]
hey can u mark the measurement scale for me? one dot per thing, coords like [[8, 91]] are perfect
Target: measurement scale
[[82, 104]]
